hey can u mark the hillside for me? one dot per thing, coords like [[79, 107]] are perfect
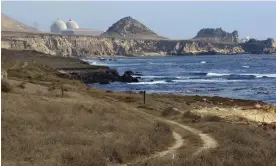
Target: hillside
[[9, 24], [80, 126], [129, 27]]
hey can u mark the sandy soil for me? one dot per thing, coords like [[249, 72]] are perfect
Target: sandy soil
[[255, 115]]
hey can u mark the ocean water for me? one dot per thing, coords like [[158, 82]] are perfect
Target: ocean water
[[236, 76]]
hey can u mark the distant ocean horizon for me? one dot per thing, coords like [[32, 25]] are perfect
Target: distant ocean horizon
[[251, 77]]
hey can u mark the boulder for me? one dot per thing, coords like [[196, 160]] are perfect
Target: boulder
[[104, 81], [127, 77], [133, 73], [129, 72], [4, 74]]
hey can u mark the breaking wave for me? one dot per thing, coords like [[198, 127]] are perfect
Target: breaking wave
[[149, 83], [254, 75], [205, 80]]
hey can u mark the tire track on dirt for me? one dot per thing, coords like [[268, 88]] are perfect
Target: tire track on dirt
[[208, 141]]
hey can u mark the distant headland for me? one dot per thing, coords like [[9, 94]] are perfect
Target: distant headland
[[127, 37]]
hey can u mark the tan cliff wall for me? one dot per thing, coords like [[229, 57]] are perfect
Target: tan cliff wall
[[274, 44], [96, 46]]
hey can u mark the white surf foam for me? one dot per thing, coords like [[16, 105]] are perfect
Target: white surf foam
[[205, 80], [156, 76], [218, 74], [264, 75], [149, 83], [203, 62], [154, 63], [245, 74]]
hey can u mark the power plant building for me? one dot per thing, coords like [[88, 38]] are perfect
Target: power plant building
[[72, 28]]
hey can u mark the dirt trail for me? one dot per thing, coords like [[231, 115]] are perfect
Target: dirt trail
[[208, 141], [171, 150]]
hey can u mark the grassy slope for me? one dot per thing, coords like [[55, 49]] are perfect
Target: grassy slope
[[241, 141], [84, 127]]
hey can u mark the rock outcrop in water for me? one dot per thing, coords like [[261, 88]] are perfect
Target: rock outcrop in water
[[101, 75], [217, 35], [128, 27], [255, 46]]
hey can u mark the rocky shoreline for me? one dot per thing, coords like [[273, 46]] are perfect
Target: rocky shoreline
[[101, 76], [68, 68]]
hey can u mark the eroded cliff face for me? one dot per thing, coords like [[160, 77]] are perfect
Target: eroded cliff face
[[99, 46]]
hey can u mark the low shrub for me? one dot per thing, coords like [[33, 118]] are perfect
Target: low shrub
[[5, 86], [212, 118], [22, 85], [170, 112], [191, 116], [51, 88]]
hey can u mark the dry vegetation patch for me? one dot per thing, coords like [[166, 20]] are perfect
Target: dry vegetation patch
[[6, 86], [170, 111], [238, 145], [46, 131], [84, 127], [253, 114]]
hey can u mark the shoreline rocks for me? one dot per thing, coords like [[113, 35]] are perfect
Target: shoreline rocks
[[101, 76]]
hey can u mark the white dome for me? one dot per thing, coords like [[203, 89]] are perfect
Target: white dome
[[72, 24], [58, 26]]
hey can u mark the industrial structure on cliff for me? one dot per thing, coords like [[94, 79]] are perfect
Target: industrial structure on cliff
[[72, 28]]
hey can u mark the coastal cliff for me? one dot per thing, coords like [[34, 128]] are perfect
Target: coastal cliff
[[88, 46], [130, 37], [255, 46]]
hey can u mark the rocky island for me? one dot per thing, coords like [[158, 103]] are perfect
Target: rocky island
[[217, 35]]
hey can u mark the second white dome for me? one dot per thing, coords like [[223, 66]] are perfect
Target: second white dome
[[72, 24]]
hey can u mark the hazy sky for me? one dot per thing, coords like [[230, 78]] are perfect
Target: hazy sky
[[176, 20]]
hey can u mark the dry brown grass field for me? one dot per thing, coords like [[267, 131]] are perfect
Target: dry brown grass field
[[88, 126]]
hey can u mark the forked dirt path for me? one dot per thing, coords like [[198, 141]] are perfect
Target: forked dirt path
[[208, 141], [171, 150]]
